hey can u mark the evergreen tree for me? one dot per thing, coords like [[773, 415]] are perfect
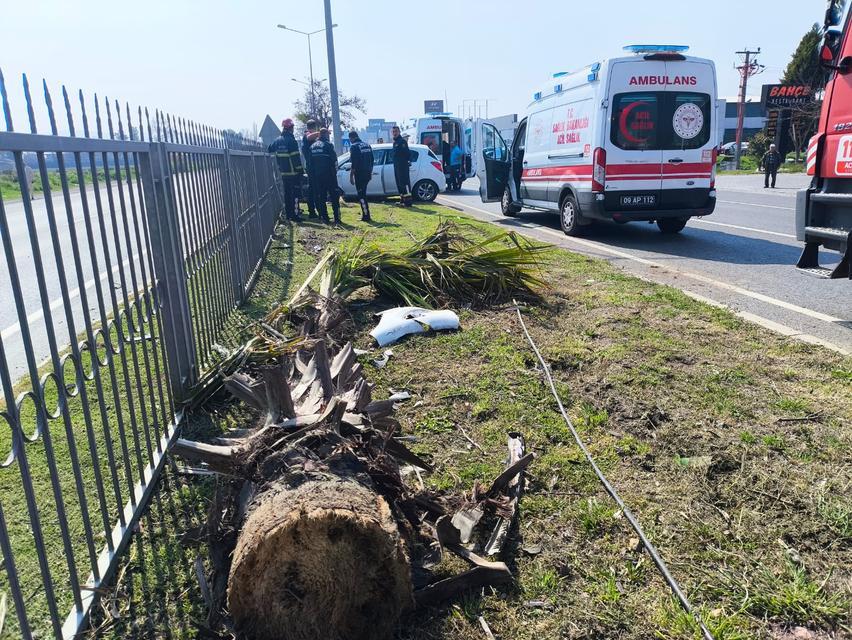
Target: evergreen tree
[[804, 67]]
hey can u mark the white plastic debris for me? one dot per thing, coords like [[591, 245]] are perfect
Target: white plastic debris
[[402, 321], [383, 360]]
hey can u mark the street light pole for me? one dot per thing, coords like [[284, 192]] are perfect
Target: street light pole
[[308, 34], [332, 81]]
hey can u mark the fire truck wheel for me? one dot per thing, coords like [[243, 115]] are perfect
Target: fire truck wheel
[[671, 225], [569, 216], [506, 206]]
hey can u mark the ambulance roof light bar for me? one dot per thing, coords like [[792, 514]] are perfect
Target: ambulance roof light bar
[[640, 49]]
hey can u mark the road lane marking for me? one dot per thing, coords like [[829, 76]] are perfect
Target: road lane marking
[[754, 204], [736, 226], [817, 315], [15, 328]]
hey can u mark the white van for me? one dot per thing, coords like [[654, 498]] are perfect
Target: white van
[[631, 138], [440, 132]]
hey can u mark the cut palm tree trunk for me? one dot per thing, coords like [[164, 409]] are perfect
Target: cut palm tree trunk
[[320, 551]]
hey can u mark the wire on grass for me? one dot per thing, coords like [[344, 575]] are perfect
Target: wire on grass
[[649, 546]]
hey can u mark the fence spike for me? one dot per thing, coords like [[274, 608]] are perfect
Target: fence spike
[[129, 120], [7, 112], [29, 100], [50, 115], [68, 112], [118, 119], [109, 118], [98, 117], [85, 117]]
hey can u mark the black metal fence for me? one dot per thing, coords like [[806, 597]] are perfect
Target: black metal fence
[[128, 240]]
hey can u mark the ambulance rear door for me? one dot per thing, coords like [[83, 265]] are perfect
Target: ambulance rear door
[[687, 130], [633, 144], [490, 159]]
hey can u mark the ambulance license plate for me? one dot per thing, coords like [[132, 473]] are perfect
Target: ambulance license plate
[[647, 200]]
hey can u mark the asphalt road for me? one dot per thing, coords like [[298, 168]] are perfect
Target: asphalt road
[[742, 256], [25, 263]]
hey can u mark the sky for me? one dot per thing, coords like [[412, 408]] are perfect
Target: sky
[[224, 63]]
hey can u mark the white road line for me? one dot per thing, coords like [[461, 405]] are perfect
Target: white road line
[[754, 204], [15, 329], [817, 315], [736, 226]]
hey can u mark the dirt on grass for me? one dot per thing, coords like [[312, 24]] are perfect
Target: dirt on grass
[[732, 446]]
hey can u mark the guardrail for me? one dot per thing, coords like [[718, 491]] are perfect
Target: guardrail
[[116, 286]]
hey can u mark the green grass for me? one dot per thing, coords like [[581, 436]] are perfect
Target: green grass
[[649, 376], [10, 190]]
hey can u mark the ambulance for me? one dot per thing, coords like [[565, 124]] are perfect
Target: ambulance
[[632, 138], [440, 132]]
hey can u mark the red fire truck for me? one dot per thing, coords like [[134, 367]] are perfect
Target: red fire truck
[[824, 210]]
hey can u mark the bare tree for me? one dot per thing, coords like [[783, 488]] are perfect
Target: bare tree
[[318, 106]]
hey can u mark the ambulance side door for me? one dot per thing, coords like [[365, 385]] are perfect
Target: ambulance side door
[[492, 161]]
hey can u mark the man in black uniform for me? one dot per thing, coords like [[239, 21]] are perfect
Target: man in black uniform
[[311, 135], [401, 163], [323, 176], [361, 156], [286, 152]]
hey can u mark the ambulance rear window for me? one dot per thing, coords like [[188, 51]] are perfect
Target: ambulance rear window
[[656, 120], [635, 121]]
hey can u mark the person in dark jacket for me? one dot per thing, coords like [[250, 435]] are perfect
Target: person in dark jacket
[[286, 152], [770, 162], [361, 157], [311, 135], [401, 164], [324, 176]]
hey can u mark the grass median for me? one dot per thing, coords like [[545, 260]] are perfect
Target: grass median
[[731, 444]]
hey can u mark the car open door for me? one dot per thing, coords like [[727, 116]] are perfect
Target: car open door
[[491, 161]]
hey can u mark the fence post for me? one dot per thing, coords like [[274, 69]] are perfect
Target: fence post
[[170, 270], [233, 217]]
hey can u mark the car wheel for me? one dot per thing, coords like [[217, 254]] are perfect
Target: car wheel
[[425, 191], [671, 225], [506, 206], [569, 216]]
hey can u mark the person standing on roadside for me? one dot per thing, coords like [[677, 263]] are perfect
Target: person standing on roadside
[[361, 159], [401, 164], [770, 163], [311, 135], [286, 152], [323, 177]]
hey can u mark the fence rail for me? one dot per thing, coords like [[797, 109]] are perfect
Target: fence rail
[[117, 286]]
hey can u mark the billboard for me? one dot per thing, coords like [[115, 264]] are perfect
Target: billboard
[[433, 106], [786, 96], [375, 122]]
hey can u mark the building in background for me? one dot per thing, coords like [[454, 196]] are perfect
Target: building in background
[[754, 121], [377, 128], [506, 125]]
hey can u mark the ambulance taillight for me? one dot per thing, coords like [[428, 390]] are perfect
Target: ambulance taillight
[[598, 170]]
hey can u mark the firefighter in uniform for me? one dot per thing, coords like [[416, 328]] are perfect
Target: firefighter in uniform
[[311, 135], [286, 152], [323, 176], [401, 164], [361, 156]]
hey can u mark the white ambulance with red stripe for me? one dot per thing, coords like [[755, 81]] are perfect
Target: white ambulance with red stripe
[[632, 138]]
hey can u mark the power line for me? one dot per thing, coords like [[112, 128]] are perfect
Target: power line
[[749, 67]]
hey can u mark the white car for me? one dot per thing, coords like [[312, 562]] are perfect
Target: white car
[[427, 174]]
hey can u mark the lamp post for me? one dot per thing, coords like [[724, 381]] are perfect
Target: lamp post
[[308, 34]]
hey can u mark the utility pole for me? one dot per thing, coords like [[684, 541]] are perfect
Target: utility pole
[[332, 81], [748, 68]]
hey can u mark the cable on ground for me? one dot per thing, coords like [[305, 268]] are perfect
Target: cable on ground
[[649, 546]]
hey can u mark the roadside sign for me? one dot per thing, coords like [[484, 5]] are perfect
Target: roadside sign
[[433, 106], [785, 96]]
